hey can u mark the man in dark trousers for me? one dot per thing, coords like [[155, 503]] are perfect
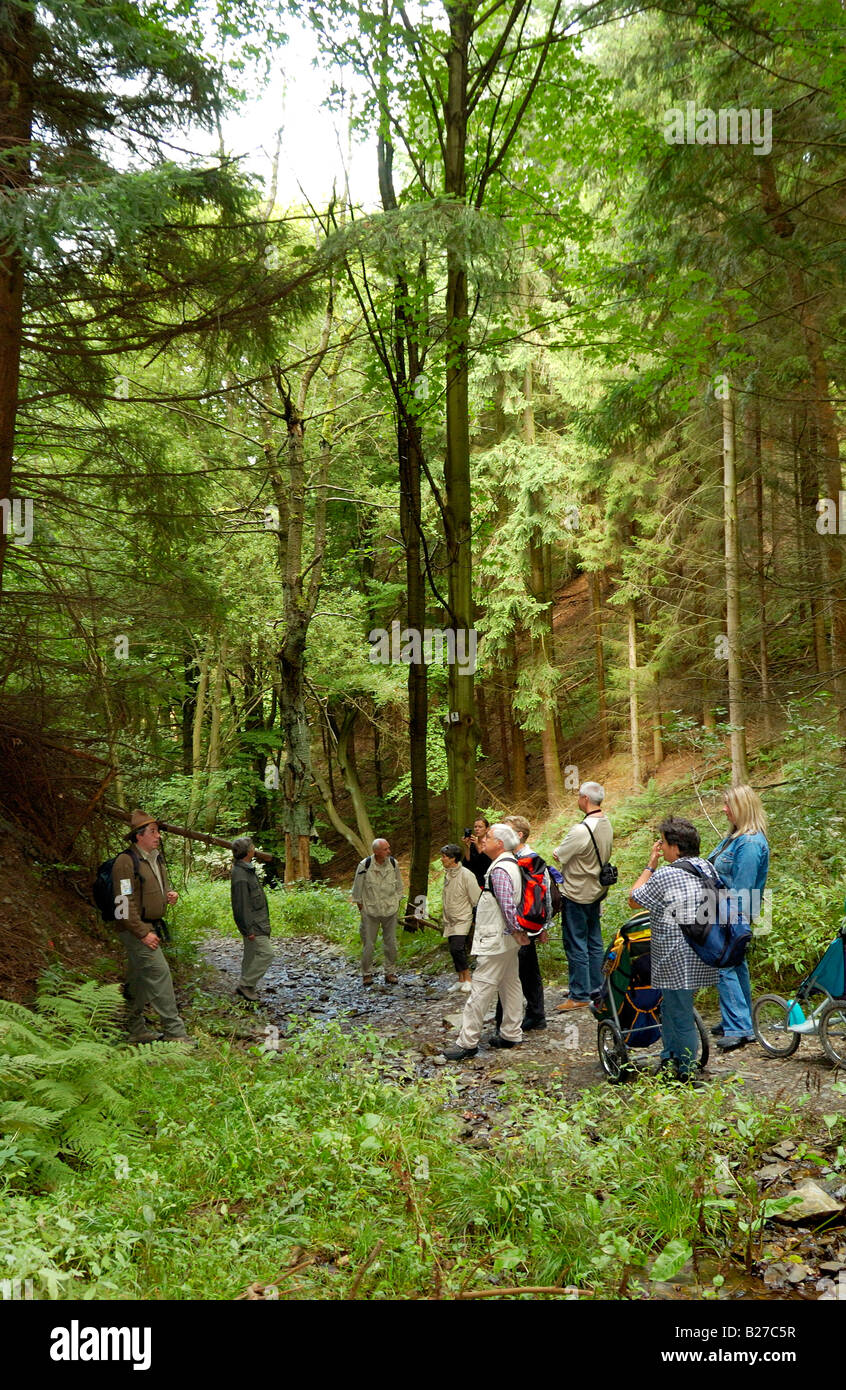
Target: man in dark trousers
[[142, 896], [252, 918], [583, 852]]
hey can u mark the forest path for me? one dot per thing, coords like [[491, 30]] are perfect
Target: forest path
[[313, 980]]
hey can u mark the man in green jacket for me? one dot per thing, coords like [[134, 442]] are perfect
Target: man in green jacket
[[142, 896], [252, 918]]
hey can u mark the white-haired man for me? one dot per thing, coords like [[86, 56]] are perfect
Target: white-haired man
[[377, 891], [497, 940], [584, 850]]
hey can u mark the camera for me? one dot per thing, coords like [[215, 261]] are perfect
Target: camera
[[467, 832]]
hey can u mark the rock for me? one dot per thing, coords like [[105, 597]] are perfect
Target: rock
[[771, 1171], [453, 1020], [832, 1266], [785, 1148], [439, 1060], [798, 1273], [815, 1204]]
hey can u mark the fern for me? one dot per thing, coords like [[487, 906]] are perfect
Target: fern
[[63, 1082]]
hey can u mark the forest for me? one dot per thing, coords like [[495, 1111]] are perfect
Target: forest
[[326, 518]]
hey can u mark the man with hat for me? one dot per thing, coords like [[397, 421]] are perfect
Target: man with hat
[[142, 896]]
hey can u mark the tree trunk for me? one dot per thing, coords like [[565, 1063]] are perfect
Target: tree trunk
[[213, 760], [346, 762], [519, 785], [657, 730], [406, 352], [599, 654], [189, 705], [634, 716], [507, 760], [541, 646], [461, 732], [811, 546], [360, 846], [17, 25], [760, 571], [739, 769], [418, 688], [296, 773], [299, 598], [197, 737], [807, 310]]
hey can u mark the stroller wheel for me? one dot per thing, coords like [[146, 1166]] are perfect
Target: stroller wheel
[[832, 1031], [770, 1021], [613, 1055]]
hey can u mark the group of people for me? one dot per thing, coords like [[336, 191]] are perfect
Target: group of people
[[507, 959], [482, 892]]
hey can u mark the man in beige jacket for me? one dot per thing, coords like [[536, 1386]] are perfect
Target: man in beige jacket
[[377, 891], [581, 854], [142, 896]]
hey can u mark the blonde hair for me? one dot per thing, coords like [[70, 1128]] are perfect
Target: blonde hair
[[747, 811], [520, 824]]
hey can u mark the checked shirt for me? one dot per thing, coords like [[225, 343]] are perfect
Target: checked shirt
[[671, 894]]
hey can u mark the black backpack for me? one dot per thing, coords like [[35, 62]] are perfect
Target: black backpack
[[101, 889], [719, 933]]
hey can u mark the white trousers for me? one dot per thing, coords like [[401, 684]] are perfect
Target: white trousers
[[494, 975]]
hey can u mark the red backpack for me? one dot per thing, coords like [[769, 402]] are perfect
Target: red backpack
[[530, 911]]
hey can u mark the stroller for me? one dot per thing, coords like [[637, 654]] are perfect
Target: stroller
[[628, 1007], [780, 1024]]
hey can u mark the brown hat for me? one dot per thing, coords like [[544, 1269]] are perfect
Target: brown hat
[[137, 822]]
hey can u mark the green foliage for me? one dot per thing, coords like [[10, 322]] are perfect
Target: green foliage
[[331, 1144], [63, 1082]]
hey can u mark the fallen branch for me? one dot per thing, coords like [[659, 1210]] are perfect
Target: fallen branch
[[364, 1268], [187, 834]]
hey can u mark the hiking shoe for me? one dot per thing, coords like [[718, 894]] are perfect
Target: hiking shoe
[[572, 1004], [718, 1031], [533, 1025], [250, 995], [367, 979], [497, 1040], [731, 1044], [457, 1054], [145, 1036], [392, 979]]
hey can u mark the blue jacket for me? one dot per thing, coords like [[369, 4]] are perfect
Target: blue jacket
[[742, 862]]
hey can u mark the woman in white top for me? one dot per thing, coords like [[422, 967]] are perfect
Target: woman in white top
[[461, 893]]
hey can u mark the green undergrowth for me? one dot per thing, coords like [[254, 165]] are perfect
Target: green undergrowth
[[329, 1169]]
